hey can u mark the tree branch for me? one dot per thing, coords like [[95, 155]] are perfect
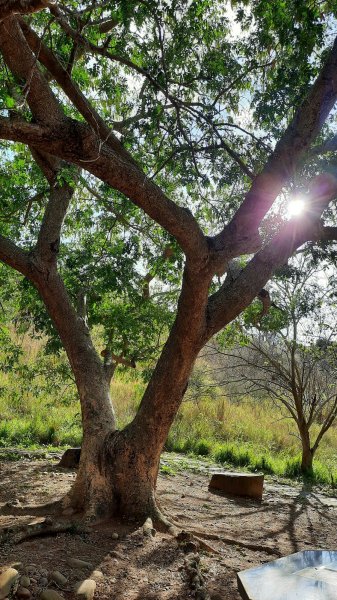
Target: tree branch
[[22, 63], [63, 78], [48, 242], [228, 302], [15, 257], [327, 234], [292, 146], [23, 7], [177, 103], [76, 143]]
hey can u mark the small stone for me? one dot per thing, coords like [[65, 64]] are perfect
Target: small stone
[[77, 563], [31, 569], [43, 572], [97, 574], [58, 578], [50, 595], [43, 581], [86, 589], [7, 580], [115, 535], [33, 580], [25, 581], [23, 593]]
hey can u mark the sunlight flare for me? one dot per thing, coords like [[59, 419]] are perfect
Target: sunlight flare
[[296, 207]]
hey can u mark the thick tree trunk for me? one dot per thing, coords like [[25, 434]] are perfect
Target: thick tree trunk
[[116, 478], [118, 469]]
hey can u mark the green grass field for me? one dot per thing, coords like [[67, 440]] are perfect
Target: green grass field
[[40, 407]]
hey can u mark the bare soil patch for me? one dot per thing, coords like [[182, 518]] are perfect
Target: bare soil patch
[[242, 533]]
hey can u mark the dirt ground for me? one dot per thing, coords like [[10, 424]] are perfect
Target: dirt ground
[[243, 533]]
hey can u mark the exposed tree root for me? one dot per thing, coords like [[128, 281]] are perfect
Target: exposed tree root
[[148, 529], [235, 542], [36, 511], [187, 539], [191, 543], [15, 534], [163, 524]]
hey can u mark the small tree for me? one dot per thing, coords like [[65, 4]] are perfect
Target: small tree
[[291, 355]]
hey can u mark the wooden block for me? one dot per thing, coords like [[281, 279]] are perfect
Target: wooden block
[[238, 484]]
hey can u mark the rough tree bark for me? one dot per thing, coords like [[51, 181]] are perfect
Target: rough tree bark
[[118, 469], [307, 451]]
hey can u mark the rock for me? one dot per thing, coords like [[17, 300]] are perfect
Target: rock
[[77, 563], [70, 459], [58, 578], [50, 595], [97, 574], [86, 589], [23, 592], [31, 569], [238, 484], [115, 536], [25, 581], [7, 580], [43, 581]]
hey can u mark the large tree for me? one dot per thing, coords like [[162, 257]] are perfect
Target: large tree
[[199, 128]]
